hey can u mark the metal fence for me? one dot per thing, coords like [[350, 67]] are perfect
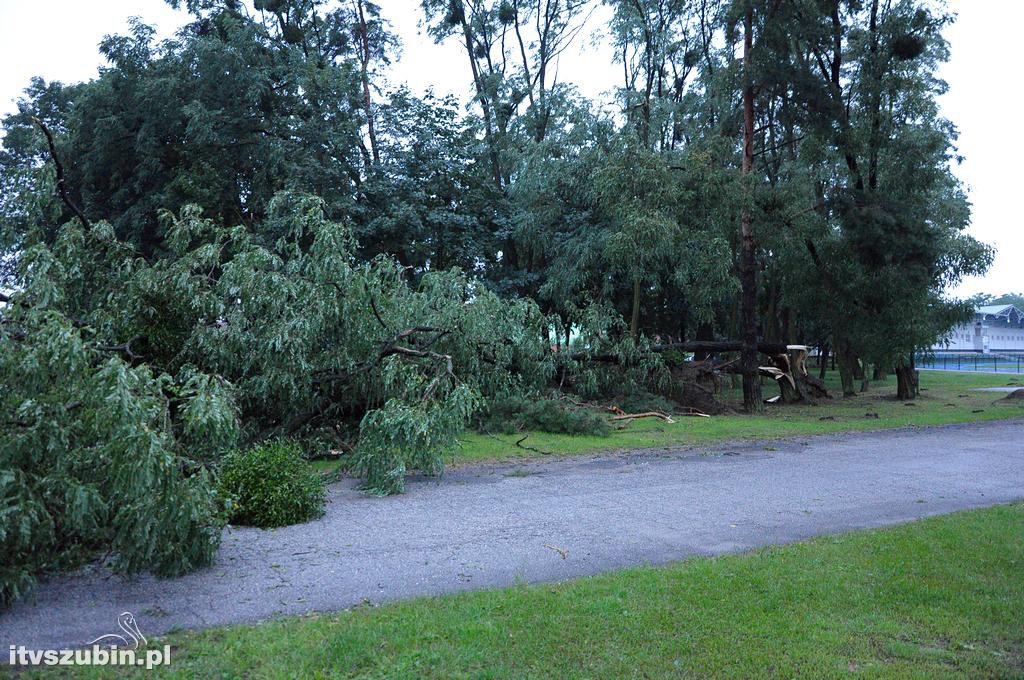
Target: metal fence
[[994, 362]]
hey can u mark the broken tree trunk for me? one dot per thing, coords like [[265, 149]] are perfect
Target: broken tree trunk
[[790, 372]]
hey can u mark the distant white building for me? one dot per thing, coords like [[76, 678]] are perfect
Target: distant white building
[[995, 328]]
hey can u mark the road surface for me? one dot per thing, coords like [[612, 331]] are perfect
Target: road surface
[[496, 525]]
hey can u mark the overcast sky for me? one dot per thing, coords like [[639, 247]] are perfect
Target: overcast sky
[[57, 39]]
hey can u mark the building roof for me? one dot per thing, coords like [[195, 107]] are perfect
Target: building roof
[[997, 310]]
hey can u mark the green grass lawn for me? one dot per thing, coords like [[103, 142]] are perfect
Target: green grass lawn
[[936, 598], [946, 397]]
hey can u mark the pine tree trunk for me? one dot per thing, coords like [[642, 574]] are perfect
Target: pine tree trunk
[[752, 400]]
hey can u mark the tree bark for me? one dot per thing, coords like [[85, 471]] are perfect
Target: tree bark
[[789, 386], [906, 379], [858, 367], [364, 59], [748, 276], [846, 360]]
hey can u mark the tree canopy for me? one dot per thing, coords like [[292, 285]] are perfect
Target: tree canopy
[[243, 233]]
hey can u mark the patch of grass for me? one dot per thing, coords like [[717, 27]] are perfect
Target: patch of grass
[[935, 598], [946, 397]]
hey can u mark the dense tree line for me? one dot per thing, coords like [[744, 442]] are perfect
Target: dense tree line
[[1016, 299], [241, 233]]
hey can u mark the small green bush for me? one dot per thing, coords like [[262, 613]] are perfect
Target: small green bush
[[542, 415], [271, 486]]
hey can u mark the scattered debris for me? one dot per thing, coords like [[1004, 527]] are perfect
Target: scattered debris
[[561, 551], [622, 415], [690, 411], [520, 444]]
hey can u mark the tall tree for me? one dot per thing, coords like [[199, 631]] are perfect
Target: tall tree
[[748, 257]]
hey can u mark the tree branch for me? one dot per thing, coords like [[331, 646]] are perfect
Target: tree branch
[[124, 348], [61, 184]]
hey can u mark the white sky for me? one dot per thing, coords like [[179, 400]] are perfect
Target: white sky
[[58, 40]]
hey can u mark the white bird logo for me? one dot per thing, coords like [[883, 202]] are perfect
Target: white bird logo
[[131, 638]]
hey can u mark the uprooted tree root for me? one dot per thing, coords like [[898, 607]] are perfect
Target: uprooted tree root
[[695, 386]]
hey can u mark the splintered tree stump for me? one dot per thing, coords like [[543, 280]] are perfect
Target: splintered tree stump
[[789, 371]]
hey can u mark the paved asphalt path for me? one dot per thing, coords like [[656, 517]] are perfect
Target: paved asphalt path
[[490, 526]]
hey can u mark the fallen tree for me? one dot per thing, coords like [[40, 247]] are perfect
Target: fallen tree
[[709, 347], [788, 366]]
